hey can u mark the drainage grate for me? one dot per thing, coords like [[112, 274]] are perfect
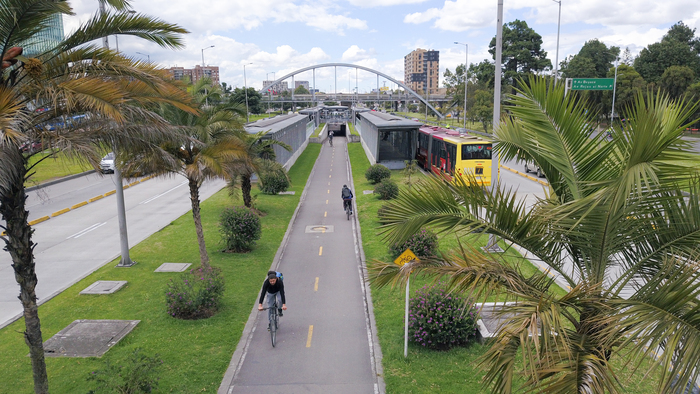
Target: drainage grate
[[319, 228]]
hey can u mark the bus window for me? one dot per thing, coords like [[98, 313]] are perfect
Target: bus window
[[476, 152]]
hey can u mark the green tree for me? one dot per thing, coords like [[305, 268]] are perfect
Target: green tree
[[616, 221], [301, 90], [208, 139], [255, 105], [522, 52], [675, 49], [484, 73], [455, 89], [676, 79], [482, 110], [258, 156], [592, 61], [72, 78], [629, 85]]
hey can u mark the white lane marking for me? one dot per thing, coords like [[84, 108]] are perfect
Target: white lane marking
[[87, 230], [162, 194]]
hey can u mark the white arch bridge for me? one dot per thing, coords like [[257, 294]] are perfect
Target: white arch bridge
[[264, 90]]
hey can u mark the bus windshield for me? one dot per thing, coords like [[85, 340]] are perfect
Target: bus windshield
[[476, 152]]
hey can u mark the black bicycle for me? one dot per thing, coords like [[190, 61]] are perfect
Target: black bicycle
[[330, 141], [274, 321], [348, 207]]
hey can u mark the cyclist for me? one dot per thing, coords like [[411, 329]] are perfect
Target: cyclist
[[274, 287], [347, 196], [330, 137]]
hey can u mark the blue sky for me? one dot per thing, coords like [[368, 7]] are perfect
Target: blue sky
[[281, 36]]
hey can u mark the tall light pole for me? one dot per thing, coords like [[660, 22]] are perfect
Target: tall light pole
[[245, 88], [125, 260], [556, 60], [466, 80], [492, 245], [116, 36], [203, 53], [612, 111], [145, 54]]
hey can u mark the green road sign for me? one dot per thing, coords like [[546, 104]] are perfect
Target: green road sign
[[592, 83]]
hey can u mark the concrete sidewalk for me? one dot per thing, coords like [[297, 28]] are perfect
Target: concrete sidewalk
[[327, 338]]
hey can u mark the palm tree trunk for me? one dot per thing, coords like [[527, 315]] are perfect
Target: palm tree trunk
[[194, 197], [245, 189], [18, 243]]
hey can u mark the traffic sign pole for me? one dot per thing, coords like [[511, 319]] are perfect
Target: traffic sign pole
[[405, 342]]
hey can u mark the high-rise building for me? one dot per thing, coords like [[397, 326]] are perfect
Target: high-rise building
[[46, 39], [422, 71], [196, 73], [278, 87], [305, 84]]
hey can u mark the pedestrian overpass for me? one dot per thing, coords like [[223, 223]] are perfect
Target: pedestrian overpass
[[335, 66]]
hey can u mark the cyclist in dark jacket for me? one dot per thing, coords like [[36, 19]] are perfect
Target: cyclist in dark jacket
[[347, 196], [274, 288]]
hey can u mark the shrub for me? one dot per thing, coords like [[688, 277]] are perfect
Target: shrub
[[376, 173], [424, 243], [439, 321], [273, 182], [196, 295], [240, 228], [138, 374], [387, 190]]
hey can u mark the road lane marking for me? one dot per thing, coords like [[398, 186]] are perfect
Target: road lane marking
[[329, 176], [320, 250], [329, 191], [162, 194], [325, 213], [326, 202], [329, 183], [316, 285], [87, 230], [308, 339]]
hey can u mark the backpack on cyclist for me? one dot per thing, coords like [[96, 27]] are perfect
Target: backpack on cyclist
[[346, 193], [278, 274]]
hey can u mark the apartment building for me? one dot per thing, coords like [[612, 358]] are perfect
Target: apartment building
[[196, 73], [422, 71]]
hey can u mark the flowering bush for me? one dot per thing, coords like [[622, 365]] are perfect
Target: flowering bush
[[439, 321], [137, 374], [376, 173], [196, 295], [273, 182], [240, 228], [424, 243], [387, 189]]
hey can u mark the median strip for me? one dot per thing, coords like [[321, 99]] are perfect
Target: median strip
[[101, 196], [78, 205], [532, 178], [61, 212], [41, 219]]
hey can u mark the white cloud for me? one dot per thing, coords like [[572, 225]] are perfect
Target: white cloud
[[355, 53], [383, 3]]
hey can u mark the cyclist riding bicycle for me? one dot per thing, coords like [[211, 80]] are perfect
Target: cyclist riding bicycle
[[347, 196], [330, 137], [274, 288]]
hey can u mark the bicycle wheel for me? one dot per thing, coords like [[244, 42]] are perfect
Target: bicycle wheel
[[273, 326], [347, 212]]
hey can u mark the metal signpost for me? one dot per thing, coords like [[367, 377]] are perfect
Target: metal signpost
[[406, 257]]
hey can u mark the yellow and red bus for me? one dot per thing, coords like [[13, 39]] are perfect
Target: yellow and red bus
[[449, 153]]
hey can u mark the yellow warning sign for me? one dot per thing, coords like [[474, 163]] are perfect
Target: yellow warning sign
[[406, 257]]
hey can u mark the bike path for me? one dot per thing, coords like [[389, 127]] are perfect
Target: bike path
[[325, 343]]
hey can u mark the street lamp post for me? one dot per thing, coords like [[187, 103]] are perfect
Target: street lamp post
[[203, 53], [556, 60], [466, 80], [145, 54], [116, 36], [245, 88]]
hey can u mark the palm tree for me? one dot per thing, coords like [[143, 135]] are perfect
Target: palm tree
[[111, 94], [617, 227], [208, 140], [259, 157]]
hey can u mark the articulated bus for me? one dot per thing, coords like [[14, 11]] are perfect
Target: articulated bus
[[448, 153]]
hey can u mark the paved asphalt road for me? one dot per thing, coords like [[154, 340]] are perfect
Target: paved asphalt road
[[74, 244], [323, 344]]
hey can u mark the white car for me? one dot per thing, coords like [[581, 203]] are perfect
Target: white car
[[534, 168], [107, 164]]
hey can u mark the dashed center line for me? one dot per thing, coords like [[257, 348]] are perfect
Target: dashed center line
[[162, 194], [87, 230], [325, 213], [316, 284], [308, 339], [320, 250]]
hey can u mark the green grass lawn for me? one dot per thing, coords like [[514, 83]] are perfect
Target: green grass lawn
[[195, 353], [318, 130], [353, 131], [54, 167], [427, 371]]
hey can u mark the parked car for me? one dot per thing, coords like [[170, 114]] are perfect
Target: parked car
[[107, 164], [32, 147]]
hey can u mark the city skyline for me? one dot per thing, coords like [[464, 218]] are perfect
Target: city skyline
[[282, 36]]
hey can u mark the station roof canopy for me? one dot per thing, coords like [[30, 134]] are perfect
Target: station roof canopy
[[382, 120], [273, 125]]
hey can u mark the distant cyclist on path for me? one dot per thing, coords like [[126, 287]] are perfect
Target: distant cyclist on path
[[273, 287], [330, 137]]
